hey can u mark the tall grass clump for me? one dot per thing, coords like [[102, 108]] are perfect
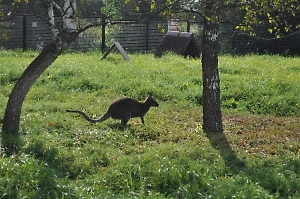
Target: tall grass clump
[[63, 156]]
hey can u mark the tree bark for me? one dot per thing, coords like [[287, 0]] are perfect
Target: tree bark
[[212, 117], [34, 70], [61, 41]]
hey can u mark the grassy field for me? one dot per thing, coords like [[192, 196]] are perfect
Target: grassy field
[[63, 156]]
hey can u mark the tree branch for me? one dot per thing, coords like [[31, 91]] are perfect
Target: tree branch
[[268, 39], [93, 25], [58, 8], [51, 19], [194, 11], [69, 22], [156, 12]]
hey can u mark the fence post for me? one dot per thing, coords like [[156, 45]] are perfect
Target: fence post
[[188, 26], [103, 36], [233, 46], [147, 35], [24, 32]]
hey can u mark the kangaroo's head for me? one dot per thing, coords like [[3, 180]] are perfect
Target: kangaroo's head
[[151, 102]]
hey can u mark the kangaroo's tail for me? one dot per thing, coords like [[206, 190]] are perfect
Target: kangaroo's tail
[[86, 116]]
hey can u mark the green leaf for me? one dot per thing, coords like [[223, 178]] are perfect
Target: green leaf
[[270, 30]]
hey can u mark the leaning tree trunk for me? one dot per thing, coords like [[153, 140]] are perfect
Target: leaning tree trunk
[[34, 70], [10, 129], [212, 117], [61, 41]]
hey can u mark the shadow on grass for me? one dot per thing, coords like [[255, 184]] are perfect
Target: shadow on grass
[[38, 177], [118, 126], [10, 143], [271, 178], [220, 143]]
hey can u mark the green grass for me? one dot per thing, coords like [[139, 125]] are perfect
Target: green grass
[[265, 84], [63, 156]]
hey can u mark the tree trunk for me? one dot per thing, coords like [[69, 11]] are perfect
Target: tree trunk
[[212, 117], [34, 70], [61, 41]]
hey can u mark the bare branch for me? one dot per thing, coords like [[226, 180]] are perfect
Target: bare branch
[[51, 19], [93, 25], [68, 18], [58, 8], [51, 13]]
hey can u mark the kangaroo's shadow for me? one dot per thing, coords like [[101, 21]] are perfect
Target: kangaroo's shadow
[[118, 126]]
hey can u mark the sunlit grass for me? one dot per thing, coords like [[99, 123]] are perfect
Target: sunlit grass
[[261, 84], [63, 156]]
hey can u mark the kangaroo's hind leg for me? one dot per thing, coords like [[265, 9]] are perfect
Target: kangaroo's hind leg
[[142, 119], [124, 121]]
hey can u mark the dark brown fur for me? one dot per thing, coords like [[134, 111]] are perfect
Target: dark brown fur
[[124, 109]]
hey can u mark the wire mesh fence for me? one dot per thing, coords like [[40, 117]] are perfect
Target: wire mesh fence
[[30, 32]]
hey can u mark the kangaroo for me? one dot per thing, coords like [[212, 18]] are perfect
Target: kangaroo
[[124, 109]]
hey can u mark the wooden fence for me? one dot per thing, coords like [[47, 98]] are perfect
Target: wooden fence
[[25, 32], [29, 32]]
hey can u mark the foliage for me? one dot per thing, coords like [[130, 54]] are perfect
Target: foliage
[[62, 156], [19, 7], [279, 16], [127, 9], [86, 8], [158, 9]]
